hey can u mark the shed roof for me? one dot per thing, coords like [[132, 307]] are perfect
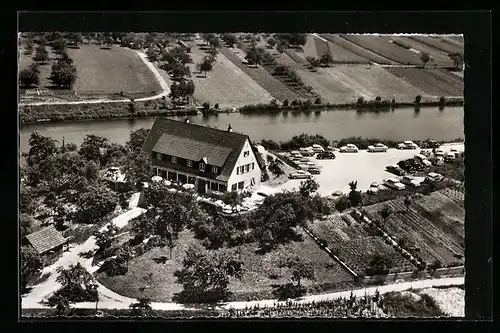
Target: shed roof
[[46, 239]]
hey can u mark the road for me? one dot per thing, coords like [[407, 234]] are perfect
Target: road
[[142, 55]]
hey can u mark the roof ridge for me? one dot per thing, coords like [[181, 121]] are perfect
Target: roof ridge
[[201, 125]]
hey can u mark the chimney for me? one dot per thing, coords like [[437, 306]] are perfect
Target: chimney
[[229, 128], [186, 121]]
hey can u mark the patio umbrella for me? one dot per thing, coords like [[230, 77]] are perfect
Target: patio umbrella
[[156, 178]]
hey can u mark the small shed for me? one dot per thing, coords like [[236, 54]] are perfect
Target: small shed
[[47, 241]]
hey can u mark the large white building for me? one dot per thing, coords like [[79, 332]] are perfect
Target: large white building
[[213, 160]]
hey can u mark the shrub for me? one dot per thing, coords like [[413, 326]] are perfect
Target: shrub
[[206, 106], [114, 267], [418, 99], [270, 144], [216, 106], [442, 100], [342, 204], [361, 100], [318, 101], [307, 104]]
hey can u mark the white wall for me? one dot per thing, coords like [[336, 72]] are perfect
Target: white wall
[[246, 177]]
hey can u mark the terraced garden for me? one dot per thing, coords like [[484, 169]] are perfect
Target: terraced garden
[[456, 194], [355, 244], [433, 82], [384, 48], [437, 57], [430, 240], [339, 54], [438, 44]]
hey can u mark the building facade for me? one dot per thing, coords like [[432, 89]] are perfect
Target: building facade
[[212, 160]]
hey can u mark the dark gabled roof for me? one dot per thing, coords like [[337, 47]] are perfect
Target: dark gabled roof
[[192, 150], [222, 148], [46, 239]]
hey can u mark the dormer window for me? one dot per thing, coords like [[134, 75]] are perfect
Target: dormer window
[[202, 166], [215, 169], [174, 159], [189, 163]]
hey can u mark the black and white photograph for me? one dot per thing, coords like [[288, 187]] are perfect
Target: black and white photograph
[[241, 174]]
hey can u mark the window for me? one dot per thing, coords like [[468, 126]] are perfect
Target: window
[[222, 188], [155, 171], [252, 181], [202, 166], [174, 159], [240, 185], [214, 186], [191, 180], [158, 156], [215, 169], [246, 153], [253, 165], [189, 163], [233, 188], [247, 167]]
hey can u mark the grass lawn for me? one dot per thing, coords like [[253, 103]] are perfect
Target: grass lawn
[[255, 284], [431, 81], [225, 84], [101, 72], [25, 60]]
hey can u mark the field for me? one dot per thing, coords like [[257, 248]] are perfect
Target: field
[[101, 72], [434, 82], [437, 57], [225, 84], [437, 43], [256, 282], [355, 244], [358, 50], [271, 84], [384, 48], [428, 233]]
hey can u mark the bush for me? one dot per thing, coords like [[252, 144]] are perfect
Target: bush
[[442, 100], [378, 99], [114, 267], [270, 144], [342, 204], [307, 104], [361, 101], [418, 99], [318, 101], [216, 106], [206, 106], [285, 102], [304, 140]]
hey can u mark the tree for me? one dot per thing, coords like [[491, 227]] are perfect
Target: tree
[[125, 253], [152, 54], [59, 45], [41, 147], [92, 171], [26, 223], [105, 239], [232, 199], [95, 204], [137, 139], [179, 71], [205, 274], [299, 267], [31, 265], [308, 187], [76, 38], [253, 57], [142, 307], [63, 74], [41, 54], [379, 265], [313, 62], [424, 57], [326, 59], [90, 147], [29, 76], [205, 65], [65, 58], [407, 202], [354, 195], [457, 59], [180, 55], [385, 212], [271, 42], [207, 37], [230, 39]]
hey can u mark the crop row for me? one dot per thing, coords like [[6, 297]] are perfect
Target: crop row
[[438, 44]]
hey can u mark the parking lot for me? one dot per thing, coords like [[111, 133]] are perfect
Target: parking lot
[[363, 167]]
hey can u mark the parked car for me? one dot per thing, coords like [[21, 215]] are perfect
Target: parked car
[[311, 164], [330, 148], [299, 174], [297, 156], [438, 152], [306, 151], [374, 188], [378, 147], [303, 160], [411, 165], [407, 145], [426, 152], [423, 159], [317, 148], [450, 157], [434, 177], [394, 183], [395, 170], [314, 170], [349, 148], [437, 160], [327, 155], [430, 144], [411, 181]]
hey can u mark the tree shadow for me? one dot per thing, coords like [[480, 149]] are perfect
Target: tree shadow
[[203, 300], [287, 291], [160, 260]]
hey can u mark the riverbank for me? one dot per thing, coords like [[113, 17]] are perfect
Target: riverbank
[[161, 107]]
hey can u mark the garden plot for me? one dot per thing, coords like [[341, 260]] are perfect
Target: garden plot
[[375, 81], [437, 44], [358, 50], [261, 272], [385, 49], [452, 42], [339, 54], [456, 194], [355, 244], [225, 84], [275, 87], [437, 58], [430, 81], [422, 236]]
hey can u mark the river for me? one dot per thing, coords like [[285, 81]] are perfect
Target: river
[[400, 124]]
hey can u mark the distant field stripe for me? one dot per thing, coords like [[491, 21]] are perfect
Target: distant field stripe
[[437, 57], [452, 42], [436, 43], [358, 50], [310, 47], [340, 55]]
